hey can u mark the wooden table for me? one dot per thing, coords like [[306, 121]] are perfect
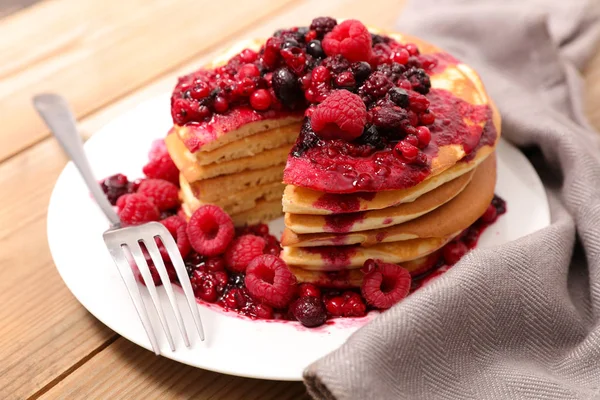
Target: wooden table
[[105, 57]]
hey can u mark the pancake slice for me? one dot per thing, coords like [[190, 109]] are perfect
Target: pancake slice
[[367, 220], [352, 278], [298, 200], [454, 216], [335, 258]]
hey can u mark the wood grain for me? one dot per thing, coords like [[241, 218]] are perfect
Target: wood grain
[[94, 52], [126, 371], [44, 330]]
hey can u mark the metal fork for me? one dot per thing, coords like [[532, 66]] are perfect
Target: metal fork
[[57, 115]]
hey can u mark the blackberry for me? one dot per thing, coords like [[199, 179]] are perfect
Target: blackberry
[[315, 49], [388, 117], [287, 88], [393, 71], [375, 38], [499, 204], [323, 25], [413, 62], [236, 280], [376, 86], [336, 64], [399, 96], [419, 80], [306, 140], [361, 70], [372, 137]]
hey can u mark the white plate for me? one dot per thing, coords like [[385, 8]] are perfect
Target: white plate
[[234, 345]]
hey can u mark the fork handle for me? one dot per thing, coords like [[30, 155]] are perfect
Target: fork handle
[[55, 111]]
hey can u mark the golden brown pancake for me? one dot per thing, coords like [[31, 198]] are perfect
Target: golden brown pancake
[[454, 216], [367, 220]]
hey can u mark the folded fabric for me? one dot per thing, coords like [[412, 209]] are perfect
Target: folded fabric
[[521, 320]]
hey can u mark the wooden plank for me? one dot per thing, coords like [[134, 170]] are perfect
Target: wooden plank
[[44, 330], [94, 52], [126, 371]]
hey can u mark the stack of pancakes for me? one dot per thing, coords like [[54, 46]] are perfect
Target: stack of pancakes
[[327, 247]]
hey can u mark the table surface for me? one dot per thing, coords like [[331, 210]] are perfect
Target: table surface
[[105, 57]]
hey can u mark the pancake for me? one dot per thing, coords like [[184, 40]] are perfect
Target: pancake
[[211, 190], [353, 277], [237, 202], [245, 147], [264, 211], [454, 216], [367, 220], [297, 200], [335, 258]]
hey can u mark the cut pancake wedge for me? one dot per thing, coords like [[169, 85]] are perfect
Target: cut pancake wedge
[[454, 216]]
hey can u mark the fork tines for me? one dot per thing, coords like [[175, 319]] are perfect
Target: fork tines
[[132, 238]]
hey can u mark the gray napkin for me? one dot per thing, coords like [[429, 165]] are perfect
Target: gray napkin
[[520, 321]]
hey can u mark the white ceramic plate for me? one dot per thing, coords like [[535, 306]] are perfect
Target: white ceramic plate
[[234, 345]]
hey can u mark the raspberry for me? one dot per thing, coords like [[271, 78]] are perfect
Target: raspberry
[[309, 311], [135, 209], [342, 115], [376, 86], [454, 251], [162, 193], [158, 148], [322, 25], [177, 227], [269, 280], [386, 285], [243, 250], [350, 39], [162, 168], [210, 230]]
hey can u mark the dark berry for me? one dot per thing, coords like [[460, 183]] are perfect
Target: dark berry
[[399, 96], [500, 205], [376, 86], [114, 187], [309, 311], [454, 251], [289, 43], [375, 38], [322, 25], [418, 79], [287, 88], [336, 64], [489, 215], [388, 117], [315, 49], [393, 71], [372, 137], [361, 70]]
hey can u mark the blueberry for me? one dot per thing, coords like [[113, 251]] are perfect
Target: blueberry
[[289, 43], [315, 49], [361, 70], [287, 88]]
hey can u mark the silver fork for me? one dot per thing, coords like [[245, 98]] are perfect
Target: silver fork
[[57, 115]]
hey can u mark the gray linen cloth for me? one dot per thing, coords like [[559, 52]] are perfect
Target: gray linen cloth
[[520, 321]]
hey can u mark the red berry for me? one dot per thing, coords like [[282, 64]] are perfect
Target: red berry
[[243, 88], [418, 102], [162, 168], [412, 139], [311, 35], [351, 39], [320, 75], [215, 264], [200, 91], [177, 227], [353, 305], [424, 135], [454, 251], [260, 99], [308, 289], [162, 193], [261, 229], [248, 71], [427, 118], [243, 250], [400, 56], [181, 111], [248, 55], [386, 285], [412, 49], [342, 115], [334, 306], [263, 311], [406, 151], [294, 58], [204, 285], [490, 214], [210, 230], [345, 80], [309, 311], [221, 104], [135, 209], [269, 280]]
